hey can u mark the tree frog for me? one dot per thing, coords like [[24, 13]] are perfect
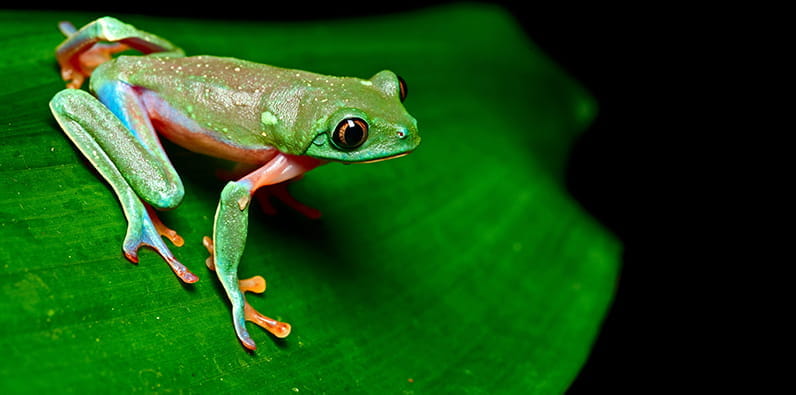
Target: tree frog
[[276, 123]]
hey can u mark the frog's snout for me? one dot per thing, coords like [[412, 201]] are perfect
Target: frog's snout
[[409, 136]]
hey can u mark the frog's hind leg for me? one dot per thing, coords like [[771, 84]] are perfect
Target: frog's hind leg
[[281, 192], [85, 49], [130, 167]]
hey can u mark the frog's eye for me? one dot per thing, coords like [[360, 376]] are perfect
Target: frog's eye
[[350, 133], [403, 88]]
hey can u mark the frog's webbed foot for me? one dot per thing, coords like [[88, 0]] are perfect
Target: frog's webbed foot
[[254, 284], [146, 229]]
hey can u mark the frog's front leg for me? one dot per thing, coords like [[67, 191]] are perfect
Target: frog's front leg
[[279, 191], [94, 43], [133, 168], [229, 235]]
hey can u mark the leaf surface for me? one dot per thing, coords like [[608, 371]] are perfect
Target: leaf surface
[[464, 267]]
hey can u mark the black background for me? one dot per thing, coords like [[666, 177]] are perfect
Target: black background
[[620, 170]]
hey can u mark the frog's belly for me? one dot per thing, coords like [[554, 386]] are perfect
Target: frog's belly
[[186, 132]]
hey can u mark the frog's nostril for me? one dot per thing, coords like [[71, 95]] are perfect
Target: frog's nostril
[[402, 133]]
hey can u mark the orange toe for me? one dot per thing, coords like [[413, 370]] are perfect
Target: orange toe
[[277, 328], [164, 230], [255, 284]]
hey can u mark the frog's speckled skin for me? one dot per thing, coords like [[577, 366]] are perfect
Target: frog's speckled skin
[[279, 123]]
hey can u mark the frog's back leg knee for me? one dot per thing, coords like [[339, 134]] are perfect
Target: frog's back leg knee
[[115, 151], [86, 48]]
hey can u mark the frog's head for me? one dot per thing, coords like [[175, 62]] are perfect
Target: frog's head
[[366, 122]]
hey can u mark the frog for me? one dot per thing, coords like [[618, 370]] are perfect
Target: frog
[[275, 123]]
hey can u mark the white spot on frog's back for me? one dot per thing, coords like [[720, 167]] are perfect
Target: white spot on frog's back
[[268, 119], [366, 82], [240, 99]]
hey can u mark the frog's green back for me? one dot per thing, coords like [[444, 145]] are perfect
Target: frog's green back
[[223, 95], [251, 104]]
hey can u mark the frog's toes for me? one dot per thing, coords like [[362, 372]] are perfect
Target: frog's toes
[[164, 230], [141, 232], [277, 328], [131, 248], [99, 54], [76, 69], [130, 252], [181, 271], [74, 79], [210, 261], [255, 284]]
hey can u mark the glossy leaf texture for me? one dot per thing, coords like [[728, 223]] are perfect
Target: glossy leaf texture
[[463, 267]]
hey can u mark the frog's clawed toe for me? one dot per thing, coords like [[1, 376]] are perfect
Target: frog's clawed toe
[[144, 231], [181, 271], [164, 230], [256, 284], [131, 248], [210, 262], [277, 328], [75, 69], [131, 253]]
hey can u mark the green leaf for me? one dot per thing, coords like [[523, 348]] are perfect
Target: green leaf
[[464, 267]]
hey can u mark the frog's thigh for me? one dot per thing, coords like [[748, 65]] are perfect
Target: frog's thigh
[[121, 126]]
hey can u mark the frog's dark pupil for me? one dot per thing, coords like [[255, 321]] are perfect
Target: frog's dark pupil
[[350, 133], [353, 133]]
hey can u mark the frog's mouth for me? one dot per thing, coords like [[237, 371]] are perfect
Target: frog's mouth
[[383, 159]]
